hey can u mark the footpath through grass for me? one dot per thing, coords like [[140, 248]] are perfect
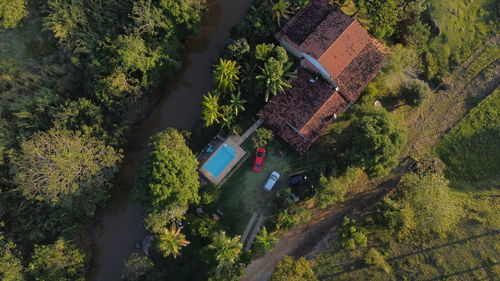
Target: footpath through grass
[[471, 150]]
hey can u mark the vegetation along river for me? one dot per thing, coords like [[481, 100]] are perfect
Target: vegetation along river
[[116, 233]]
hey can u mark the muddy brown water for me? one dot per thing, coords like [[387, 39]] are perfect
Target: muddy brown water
[[120, 227]]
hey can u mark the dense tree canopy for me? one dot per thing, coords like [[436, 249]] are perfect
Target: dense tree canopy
[[11, 268], [12, 12], [375, 142], [137, 267], [384, 15], [61, 261], [169, 174], [293, 270], [58, 167]]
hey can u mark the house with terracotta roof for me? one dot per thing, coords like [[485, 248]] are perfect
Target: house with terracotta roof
[[338, 59]]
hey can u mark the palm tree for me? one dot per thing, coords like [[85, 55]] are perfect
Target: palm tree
[[211, 109], [280, 11], [236, 103], [171, 241], [226, 75], [266, 240], [228, 116], [227, 249], [275, 76]]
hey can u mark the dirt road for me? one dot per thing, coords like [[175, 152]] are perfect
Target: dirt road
[[308, 239]]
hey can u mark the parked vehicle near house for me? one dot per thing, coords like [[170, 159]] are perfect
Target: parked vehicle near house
[[271, 181], [298, 178], [260, 154]]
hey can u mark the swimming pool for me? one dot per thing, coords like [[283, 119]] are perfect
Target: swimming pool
[[220, 160]]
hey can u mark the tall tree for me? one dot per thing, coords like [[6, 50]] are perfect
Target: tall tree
[[293, 270], [226, 75], [211, 112], [236, 103], [384, 15], [171, 241], [11, 268], [375, 142], [137, 267], [61, 261], [274, 75], [226, 249], [58, 167], [169, 174], [12, 12]]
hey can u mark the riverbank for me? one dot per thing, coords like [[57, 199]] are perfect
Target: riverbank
[[120, 226]]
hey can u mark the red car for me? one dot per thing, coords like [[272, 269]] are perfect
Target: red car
[[260, 154]]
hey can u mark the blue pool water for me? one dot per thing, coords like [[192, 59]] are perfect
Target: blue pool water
[[220, 160]]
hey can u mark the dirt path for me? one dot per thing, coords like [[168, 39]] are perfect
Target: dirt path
[[308, 239], [426, 126]]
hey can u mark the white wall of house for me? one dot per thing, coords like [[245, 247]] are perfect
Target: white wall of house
[[318, 68]]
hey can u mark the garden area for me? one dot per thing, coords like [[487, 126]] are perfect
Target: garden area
[[242, 194]]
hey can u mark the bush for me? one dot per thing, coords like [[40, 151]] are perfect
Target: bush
[[203, 226], [333, 189], [351, 235], [293, 270], [136, 267], [430, 203], [237, 49], [415, 92], [265, 241], [373, 257], [262, 137]]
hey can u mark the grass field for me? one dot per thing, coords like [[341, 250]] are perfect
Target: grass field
[[471, 150], [470, 252], [464, 24]]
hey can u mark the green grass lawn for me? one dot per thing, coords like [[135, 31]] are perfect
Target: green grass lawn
[[471, 150], [464, 24], [243, 194]]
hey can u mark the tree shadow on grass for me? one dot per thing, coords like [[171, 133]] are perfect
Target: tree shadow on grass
[[472, 161], [443, 277], [359, 264]]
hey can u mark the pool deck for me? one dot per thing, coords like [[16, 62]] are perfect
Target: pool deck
[[239, 153]]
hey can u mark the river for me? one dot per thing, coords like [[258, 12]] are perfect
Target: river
[[120, 226]]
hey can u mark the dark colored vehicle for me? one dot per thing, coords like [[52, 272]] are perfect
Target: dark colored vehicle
[[296, 179], [260, 154]]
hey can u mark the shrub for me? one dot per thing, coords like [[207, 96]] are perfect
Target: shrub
[[293, 270], [373, 257], [351, 235], [415, 92], [237, 49], [333, 189], [262, 137], [136, 267]]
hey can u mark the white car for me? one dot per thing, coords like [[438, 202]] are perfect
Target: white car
[[271, 181]]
